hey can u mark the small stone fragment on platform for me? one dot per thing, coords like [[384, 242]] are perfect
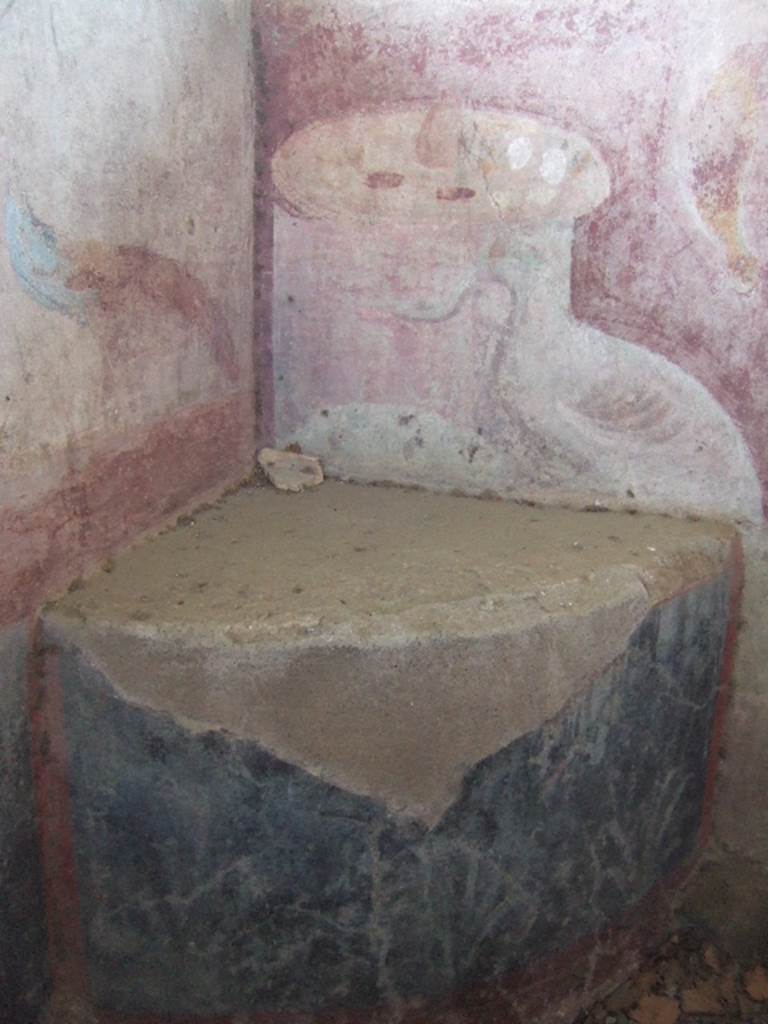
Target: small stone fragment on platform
[[290, 471]]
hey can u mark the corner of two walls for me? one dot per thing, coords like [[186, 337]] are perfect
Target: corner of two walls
[[127, 380]]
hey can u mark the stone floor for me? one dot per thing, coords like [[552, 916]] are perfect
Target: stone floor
[[714, 968]]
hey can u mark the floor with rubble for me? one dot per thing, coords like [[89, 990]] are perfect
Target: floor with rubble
[[714, 968]]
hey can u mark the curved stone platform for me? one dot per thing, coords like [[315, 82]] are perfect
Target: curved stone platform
[[362, 751]]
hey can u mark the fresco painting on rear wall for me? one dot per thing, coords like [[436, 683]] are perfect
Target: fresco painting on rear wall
[[424, 331], [726, 168]]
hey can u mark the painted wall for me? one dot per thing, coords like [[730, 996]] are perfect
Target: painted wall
[[126, 371], [126, 293], [536, 233], [522, 247]]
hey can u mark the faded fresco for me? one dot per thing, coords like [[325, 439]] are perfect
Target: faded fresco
[[112, 289], [491, 289], [126, 162], [728, 158]]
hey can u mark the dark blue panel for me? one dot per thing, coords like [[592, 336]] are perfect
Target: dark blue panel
[[216, 877]]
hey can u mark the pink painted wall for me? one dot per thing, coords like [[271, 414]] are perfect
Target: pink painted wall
[[441, 313], [126, 370], [408, 341]]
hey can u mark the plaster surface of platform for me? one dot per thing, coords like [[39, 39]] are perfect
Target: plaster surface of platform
[[385, 640]]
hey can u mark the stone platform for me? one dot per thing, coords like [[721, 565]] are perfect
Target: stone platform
[[365, 753]]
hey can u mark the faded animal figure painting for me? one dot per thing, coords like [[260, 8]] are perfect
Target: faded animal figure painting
[[163, 340], [424, 330]]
